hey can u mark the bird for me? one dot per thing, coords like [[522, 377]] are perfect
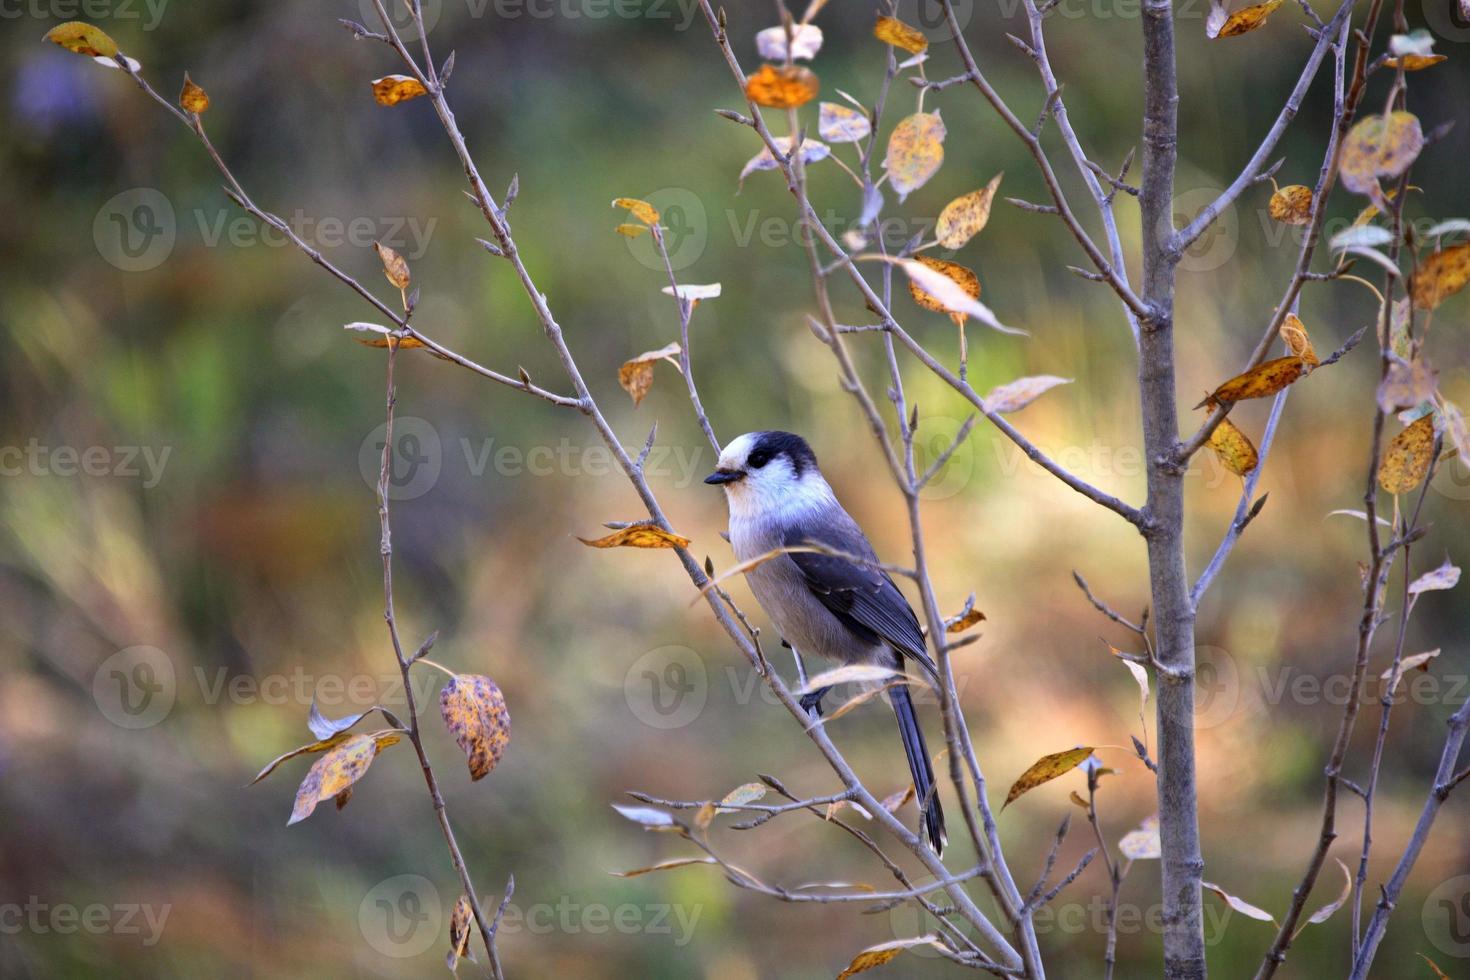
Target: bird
[[850, 612]]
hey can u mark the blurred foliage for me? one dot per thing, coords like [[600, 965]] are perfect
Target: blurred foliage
[[247, 553]]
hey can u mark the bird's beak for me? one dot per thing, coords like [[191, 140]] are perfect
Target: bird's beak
[[724, 476]]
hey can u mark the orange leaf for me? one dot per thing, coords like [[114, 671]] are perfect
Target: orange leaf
[[1045, 769], [1247, 19], [1406, 460], [1233, 448], [1292, 205], [891, 30], [393, 89], [335, 773], [474, 711], [638, 536], [1259, 382], [784, 87], [915, 152], [193, 98]]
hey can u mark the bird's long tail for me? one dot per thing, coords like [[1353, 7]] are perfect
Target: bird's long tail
[[919, 767]]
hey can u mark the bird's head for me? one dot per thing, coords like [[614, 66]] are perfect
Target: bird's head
[[769, 471]]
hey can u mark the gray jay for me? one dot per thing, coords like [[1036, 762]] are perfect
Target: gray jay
[[822, 604]]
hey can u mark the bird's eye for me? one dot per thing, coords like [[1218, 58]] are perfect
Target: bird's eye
[[759, 458]]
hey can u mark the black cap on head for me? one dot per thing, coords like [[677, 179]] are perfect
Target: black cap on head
[[769, 445]]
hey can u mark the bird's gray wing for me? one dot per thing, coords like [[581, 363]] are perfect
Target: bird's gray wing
[[863, 598]]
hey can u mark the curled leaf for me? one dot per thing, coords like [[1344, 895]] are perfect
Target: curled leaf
[[1247, 19], [966, 216], [964, 622], [638, 536], [642, 210], [891, 30], [321, 745], [1016, 395], [1406, 461], [193, 98], [459, 934], [393, 89], [782, 87], [1446, 576], [1261, 381], [683, 862], [1045, 769], [1294, 335], [1239, 904], [335, 772], [806, 41], [1325, 912], [83, 38], [475, 713], [1233, 448], [811, 152], [876, 956], [394, 266], [915, 152], [636, 375], [1418, 661], [694, 292], [1415, 62]]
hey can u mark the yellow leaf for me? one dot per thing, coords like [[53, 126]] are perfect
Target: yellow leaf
[[894, 801], [335, 773], [740, 796], [1294, 334], [875, 956], [915, 152], [1406, 460], [1419, 660], [839, 124], [378, 340], [394, 267], [459, 933], [705, 816], [965, 217], [193, 98], [964, 622], [782, 87], [1247, 19], [1233, 448], [1045, 769], [1415, 62], [475, 713], [1377, 148], [642, 210], [1077, 799], [1440, 276], [630, 230], [319, 746], [636, 375], [1292, 205], [83, 39], [891, 30], [963, 276], [638, 536], [393, 89], [1260, 381]]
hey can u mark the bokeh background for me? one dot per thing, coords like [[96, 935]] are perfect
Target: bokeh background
[[221, 548]]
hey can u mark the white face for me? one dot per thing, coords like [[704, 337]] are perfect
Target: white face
[[765, 484]]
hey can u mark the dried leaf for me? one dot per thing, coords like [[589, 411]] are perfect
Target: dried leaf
[[1239, 904], [915, 151], [642, 210], [741, 796], [631, 230], [1415, 62], [82, 38], [782, 87], [1294, 334], [950, 287], [382, 340], [193, 98], [694, 293], [1419, 660], [1376, 149], [321, 745], [891, 30], [459, 933], [1434, 966], [639, 536], [1045, 769], [811, 152], [636, 375], [1325, 912], [1247, 19], [1406, 461], [337, 770], [1140, 677], [1018, 394], [893, 802], [393, 89], [964, 622], [1233, 448], [839, 124], [1441, 275], [647, 816], [1407, 385], [663, 866], [1261, 381], [474, 712], [875, 956], [1142, 843], [1076, 798], [966, 216], [1446, 576], [850, 674], [394, 266], [1292, 205], [806, 41], [324, 728]]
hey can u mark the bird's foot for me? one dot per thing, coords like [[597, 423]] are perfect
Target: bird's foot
[[812, 703]]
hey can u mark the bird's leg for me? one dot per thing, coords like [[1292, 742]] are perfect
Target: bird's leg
[[812, 703]]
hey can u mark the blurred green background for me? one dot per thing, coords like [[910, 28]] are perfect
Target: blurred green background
[[220, 544]]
